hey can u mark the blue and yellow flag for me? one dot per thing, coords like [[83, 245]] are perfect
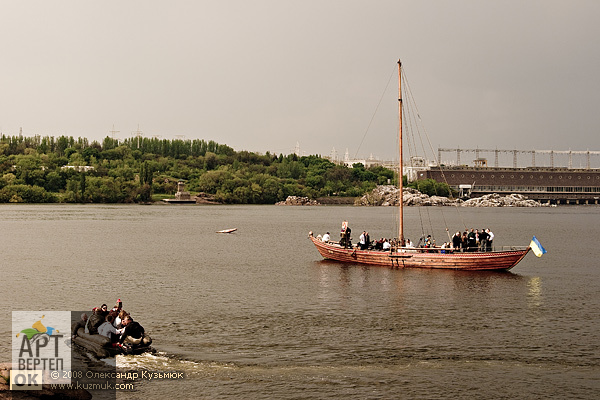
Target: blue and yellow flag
[[537, 248]]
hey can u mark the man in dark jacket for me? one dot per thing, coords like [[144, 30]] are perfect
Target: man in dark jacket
[[472, 240], [133, 333], [483, 238], [456, 241], [78, 324], [95, 321]]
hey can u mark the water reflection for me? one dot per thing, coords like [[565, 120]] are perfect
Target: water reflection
[[535, 291]]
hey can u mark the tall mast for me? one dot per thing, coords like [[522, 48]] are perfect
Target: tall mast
[[400, 193]]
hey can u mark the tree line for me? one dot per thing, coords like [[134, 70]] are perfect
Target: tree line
[[64, 169]]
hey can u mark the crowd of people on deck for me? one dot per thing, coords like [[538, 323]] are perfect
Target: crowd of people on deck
[[472, 241], [116, 324]]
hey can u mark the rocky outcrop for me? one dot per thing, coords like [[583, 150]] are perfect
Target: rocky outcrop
[[412, 197], [297, 201], [382, 195], [387, 195], [495, 200], [205, 198]]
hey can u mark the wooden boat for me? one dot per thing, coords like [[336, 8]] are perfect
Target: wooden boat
[[101, 346], [227, 230], [409, 257], [422, 257]]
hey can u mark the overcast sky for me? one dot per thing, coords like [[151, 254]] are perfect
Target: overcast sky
[[263, 75]]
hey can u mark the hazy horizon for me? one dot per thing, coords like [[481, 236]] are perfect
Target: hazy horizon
[[265, 75]]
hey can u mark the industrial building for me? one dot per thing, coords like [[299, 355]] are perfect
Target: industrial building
[[557, 185]]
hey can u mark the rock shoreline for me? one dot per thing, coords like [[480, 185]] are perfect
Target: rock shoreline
[[387, 195], [298, 201]]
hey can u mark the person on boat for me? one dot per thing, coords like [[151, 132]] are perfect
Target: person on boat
[[347, 238], [117, 308], [428, 242], [472, 240], [443, 248], [79, 324], [464, 242], [490, 239], [345, 235], [456, 240], [108, 330], [367, 240], [118, 322], [94, 321], [410, 245], [386, 245], [362, 241], [133, 333], [86, 329], [326, 238], [483, 238], [104, 310]]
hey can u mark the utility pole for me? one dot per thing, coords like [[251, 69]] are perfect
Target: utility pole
[[138, 134], [113, 132]]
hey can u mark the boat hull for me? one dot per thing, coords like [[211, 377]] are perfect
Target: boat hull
[[228, 230], [419, 258], [101, 346]]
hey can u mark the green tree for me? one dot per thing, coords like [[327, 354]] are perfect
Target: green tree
[[25, 194], [82, 185], [431, 187]]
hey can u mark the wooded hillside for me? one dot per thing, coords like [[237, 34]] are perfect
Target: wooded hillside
[[64, 169]]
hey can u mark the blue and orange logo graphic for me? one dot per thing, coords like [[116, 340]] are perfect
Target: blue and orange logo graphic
[[38, 330]]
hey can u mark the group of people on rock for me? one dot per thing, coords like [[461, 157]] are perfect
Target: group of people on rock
[[475, 240], [115, 324]]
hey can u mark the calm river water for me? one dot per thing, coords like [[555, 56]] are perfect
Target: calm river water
[[258, 314]]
